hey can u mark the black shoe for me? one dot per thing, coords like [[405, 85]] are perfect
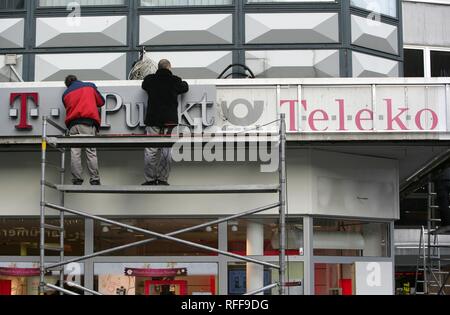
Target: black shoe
[[96, 182], [152, 183], [77, 182], [163, 183]]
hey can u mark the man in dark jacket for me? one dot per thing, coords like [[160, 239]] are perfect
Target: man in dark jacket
[[82, 101], [163, 89]]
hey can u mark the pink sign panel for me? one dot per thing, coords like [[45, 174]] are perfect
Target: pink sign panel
[[136, 272], [19, 272]]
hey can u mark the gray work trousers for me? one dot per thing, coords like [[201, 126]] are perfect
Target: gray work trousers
[[91, 154], [158, 161]]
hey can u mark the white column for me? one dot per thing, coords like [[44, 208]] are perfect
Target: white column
[[373, 237], [255, 246]]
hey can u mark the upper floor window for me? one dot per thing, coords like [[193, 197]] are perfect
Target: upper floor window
[[12, 4], [385, 7], [292, 1], [440, 63], [186, 3], [414, 65], [65, 3]]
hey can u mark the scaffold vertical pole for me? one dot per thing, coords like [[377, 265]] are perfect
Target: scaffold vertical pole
[[62, 231], [427, 268], [283, 192], [42, 209]]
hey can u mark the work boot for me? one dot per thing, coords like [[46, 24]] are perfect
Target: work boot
[[152, 183], [96, 182], [163, 183], [77, 182]]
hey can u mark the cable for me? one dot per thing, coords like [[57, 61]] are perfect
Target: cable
[[258, 127]]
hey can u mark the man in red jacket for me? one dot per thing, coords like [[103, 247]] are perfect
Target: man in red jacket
[[82, 101]]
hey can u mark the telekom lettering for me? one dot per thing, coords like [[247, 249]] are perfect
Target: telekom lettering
[[395, 118], [23, 123], [302, 115]]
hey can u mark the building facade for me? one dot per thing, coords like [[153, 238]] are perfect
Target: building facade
[[343, 58], [274, 38]]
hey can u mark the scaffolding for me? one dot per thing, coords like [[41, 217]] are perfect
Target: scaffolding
[[430, 278], [430, 275], [64, 142]]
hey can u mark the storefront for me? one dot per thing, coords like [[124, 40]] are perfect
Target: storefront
[[343, 199]]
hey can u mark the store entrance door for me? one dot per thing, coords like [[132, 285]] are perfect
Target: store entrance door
[[5, 287], [167, 287]]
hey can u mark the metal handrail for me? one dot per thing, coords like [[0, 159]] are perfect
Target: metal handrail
[[270, 286], [423, 174], [61, 290], [77, 286]]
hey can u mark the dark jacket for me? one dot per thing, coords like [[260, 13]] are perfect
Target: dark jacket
[[163, 89], [82, 100]]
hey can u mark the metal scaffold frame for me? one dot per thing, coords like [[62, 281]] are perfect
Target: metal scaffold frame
[[429, 262], [429, 271], [62, 143]]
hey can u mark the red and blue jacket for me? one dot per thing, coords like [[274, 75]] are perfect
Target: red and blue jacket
[[82, 101]]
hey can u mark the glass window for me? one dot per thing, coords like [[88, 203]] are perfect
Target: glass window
[[65, 3], [187, 3], [20, 237], [413, 65], [350, 238], [237, 278], [334, 279], [268, 228], [107, 236], [12, 4], [291, 1], [386, 7], [440, 63], [156, 278], [24, 278]]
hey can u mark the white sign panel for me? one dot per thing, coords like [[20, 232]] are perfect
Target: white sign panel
[[214, 106], [374, 278]]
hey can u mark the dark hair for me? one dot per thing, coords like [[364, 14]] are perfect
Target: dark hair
[[70, 79], [164, 64]]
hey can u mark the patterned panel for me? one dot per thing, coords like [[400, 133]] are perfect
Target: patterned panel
[[55, 67], [6, 74], [11, 33], [370, 66], [282, 28], [294, 63], [186, 29], [374, 34], [88, 31], [198, 64]]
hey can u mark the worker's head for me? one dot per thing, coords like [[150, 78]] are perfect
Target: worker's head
[[164, 64], [70, 79]]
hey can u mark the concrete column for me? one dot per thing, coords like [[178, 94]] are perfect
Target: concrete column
[[373, 237], [255, 247], [309, 268]]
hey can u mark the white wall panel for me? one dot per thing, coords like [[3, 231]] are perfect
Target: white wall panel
[[196, 64], [276, 28], [186, 29], [94, 66], [88, 31], [12, 33]]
